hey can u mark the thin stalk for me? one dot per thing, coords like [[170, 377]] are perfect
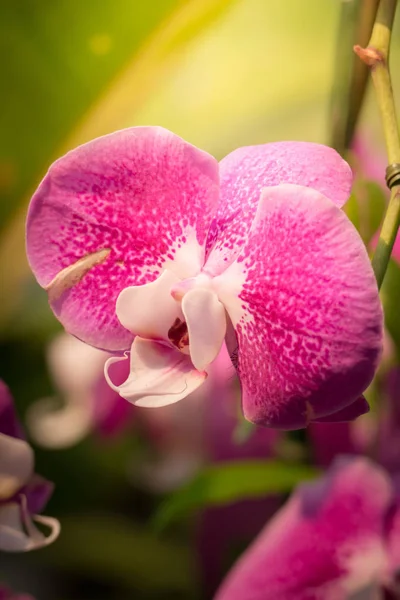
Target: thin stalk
[[376, 56], [350, 75]]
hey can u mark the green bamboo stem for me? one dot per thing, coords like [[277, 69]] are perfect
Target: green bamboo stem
[[376, 56]]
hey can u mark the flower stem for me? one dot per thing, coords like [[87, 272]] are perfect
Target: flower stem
[[376, 56], [350, 75], [387, 237]]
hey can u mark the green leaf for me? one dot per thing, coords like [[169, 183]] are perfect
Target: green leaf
[[60, 56], [113, 549], [229, 482]]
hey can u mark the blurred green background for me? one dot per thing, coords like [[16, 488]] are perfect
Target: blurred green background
[[220, 73]]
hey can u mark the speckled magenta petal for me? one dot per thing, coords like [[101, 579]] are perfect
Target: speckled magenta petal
[[132, 203], [305, 306], [246, 171], [325, 544]]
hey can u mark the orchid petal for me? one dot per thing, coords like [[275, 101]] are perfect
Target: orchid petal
[[18, 532], [55, 427], [113, 213], [74, 366], [246, 171], [149, 310], [160, 375], [75, 369], [325, 543], [304, 302], [348, 413], [16, 465], [205, 318]]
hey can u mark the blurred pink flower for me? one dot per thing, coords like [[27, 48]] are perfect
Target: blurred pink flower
[[334, 539], [23, 494], [144, 241], [86, 404]]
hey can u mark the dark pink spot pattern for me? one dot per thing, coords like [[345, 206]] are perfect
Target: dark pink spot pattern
[[304, 303], [143, 193], [329, 542], [246, 171]]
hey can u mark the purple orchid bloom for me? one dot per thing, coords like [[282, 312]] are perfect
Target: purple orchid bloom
[[143, 241], [23, 494], [336, 539]]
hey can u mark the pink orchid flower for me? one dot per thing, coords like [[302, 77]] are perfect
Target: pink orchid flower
[[145, 242], [336, 539], [23, 494]]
